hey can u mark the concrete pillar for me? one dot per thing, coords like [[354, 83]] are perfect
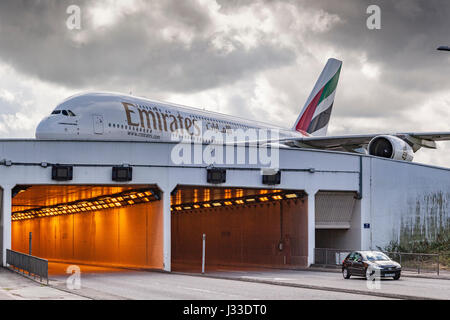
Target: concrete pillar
[[167, 236], [6, 222], [311, 225], [366, 204]]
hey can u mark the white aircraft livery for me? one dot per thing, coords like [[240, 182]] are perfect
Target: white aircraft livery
[[112, 116]]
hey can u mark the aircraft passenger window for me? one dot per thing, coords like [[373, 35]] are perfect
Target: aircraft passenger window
[[56, 112], [64, 112]]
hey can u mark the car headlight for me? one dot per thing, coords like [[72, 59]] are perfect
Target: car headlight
[[377, 267]]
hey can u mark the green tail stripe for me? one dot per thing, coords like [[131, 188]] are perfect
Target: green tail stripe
[[330, 86]]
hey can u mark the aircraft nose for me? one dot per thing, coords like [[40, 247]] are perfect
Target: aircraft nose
[[55, 128], [40, 128], [44, 129]]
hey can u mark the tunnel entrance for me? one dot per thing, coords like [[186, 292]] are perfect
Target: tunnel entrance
[[243, 227], [118, 225]]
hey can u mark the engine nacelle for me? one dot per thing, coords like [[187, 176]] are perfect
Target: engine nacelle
[[390, 147]]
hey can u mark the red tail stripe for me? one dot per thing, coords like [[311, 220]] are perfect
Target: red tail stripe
[[306, 118]]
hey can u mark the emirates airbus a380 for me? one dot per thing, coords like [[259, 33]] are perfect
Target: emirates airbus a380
[[111, 116]]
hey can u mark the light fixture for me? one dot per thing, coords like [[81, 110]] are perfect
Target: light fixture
[[291, 195], [122, 174], [272, 179], [216, 175], [62, 173]]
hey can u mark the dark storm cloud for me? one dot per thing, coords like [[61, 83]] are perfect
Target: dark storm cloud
[[132, 52], [405, 46]]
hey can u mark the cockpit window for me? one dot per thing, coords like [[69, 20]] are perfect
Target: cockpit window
[[64, 112]]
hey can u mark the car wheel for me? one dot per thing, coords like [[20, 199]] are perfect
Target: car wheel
[[346, 274], [397, 276]]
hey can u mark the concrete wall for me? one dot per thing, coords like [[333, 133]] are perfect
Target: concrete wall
[[129, 236], [409, 202], [244, 235]]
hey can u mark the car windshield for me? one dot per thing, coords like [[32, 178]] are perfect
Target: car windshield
[[376, 256]]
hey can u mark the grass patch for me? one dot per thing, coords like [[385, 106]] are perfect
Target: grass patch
[[441, 246]]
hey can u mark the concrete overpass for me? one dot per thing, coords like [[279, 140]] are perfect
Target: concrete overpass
[[324, 199]]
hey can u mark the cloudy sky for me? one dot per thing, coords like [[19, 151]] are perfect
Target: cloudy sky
[[257, 59]]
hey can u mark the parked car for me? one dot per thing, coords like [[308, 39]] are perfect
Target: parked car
[[368, 263]]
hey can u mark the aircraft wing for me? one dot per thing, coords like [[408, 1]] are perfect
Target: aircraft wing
[[433, 136], [349, 142], [331, 142]]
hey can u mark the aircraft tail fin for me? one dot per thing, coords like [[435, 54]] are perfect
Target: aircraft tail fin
[[316, 113]]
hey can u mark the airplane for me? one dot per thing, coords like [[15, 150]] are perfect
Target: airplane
[[121, 117]]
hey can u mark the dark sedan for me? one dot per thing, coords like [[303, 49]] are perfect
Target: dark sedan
[[370, 263]]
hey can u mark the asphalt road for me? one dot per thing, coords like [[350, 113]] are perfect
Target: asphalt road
[[221, 284], [408, 286], [110, 283]]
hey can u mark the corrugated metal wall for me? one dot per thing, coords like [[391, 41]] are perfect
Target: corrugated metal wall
[[334, 210], [242, 235]]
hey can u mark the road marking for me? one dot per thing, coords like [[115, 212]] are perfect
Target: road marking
[[209, 291], [200, 290]]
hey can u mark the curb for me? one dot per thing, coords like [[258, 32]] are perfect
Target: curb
[[26, 276], [408, 275]]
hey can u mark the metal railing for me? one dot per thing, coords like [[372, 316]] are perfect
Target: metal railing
[[330, 257], [416, 262], [21, 262]]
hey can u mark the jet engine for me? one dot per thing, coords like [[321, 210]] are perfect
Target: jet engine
[[390, 147]]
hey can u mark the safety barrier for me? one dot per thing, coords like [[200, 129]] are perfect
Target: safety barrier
[[21, 262]]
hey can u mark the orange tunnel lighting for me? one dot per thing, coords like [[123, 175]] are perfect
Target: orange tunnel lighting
[[275, 195], [85, 205]]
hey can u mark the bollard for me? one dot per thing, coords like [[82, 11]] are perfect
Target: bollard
[[418, 265], [203, 253], [29, 252], [29, 247], [438, 264]]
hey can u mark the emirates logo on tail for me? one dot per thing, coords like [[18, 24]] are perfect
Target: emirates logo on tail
[[316, 113]]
